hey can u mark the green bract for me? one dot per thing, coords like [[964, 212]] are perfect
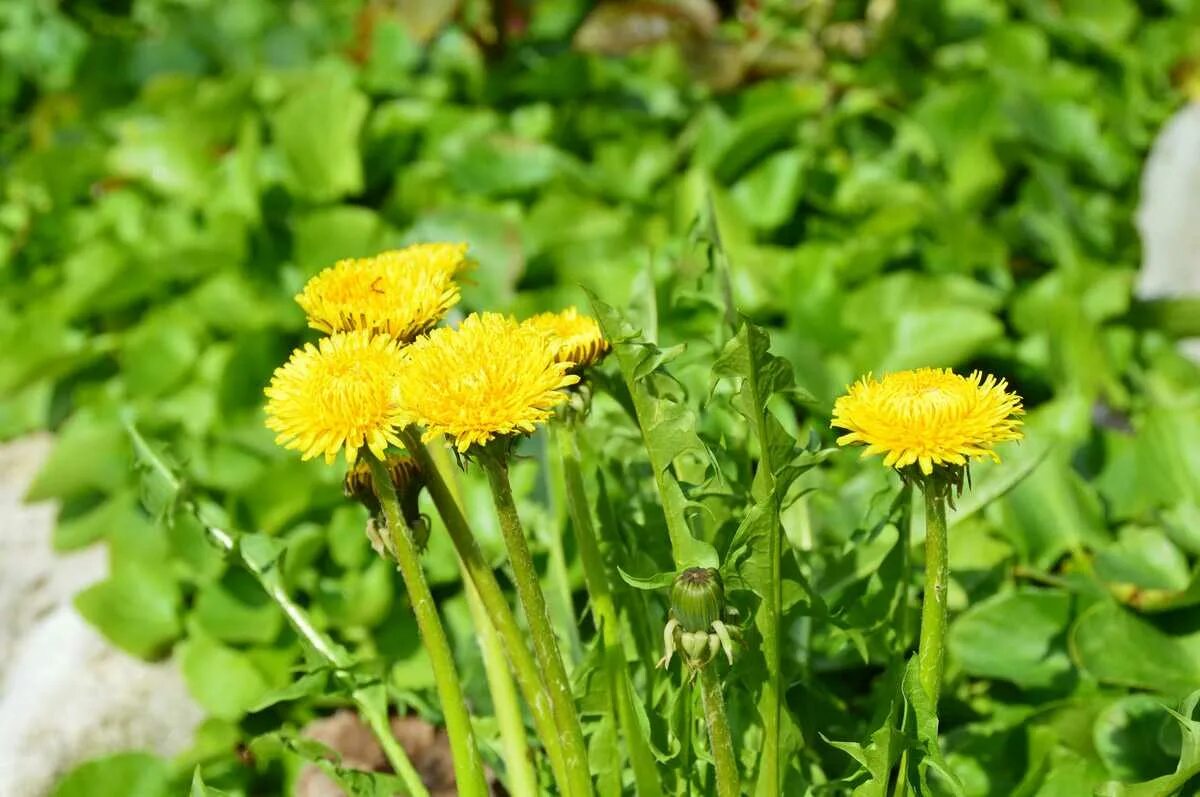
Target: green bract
[[766, 205]]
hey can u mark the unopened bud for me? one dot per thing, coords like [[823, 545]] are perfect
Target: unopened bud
[[698, 599]]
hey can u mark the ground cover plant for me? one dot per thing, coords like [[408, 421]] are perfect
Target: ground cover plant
[[759, 205]]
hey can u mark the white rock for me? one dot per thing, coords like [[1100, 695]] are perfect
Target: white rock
[[1169, 216], [66, 695]]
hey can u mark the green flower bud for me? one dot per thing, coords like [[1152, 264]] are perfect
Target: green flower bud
[[698, 599], [406, 479]]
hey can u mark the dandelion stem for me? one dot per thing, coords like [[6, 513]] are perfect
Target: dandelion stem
[[604, 610], [377, 721], [480, 573], [522, 781], [545, 644], [371, 707], [931, 649], [468, 769], [719, 737]]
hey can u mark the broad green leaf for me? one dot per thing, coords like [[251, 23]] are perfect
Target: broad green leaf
[[136, 608], [237, 610], [120, 775], [317, 130], [224, 681], [91, 453], [1052, 513], [1142, 559], [77, 531], [1187, 768], [1117, 647], [158, 357], [1131, 738], [1015, 637]]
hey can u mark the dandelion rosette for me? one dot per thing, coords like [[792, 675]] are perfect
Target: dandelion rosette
[[339, 394], [491, 377], [928, 417], [574, 337], [403, 292]]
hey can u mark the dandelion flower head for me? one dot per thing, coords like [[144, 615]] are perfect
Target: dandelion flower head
[[403, 292], [339, 394], [574, 337], [928, 417], [490, 377]]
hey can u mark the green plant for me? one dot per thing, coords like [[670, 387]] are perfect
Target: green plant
[[957, 192]]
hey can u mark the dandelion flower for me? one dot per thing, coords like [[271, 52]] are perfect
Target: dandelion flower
[[490, 377], [338, 394], [930, 416], [450, 258], [403, 292], [575, 338]]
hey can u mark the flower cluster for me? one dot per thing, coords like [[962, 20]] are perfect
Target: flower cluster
[[385, 366]]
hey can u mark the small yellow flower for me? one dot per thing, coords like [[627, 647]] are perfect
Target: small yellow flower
[[403, 292], [489, 378], [930, 416], [575, 338], [339, 394]]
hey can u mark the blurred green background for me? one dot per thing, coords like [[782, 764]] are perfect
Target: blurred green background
[[893, 184]]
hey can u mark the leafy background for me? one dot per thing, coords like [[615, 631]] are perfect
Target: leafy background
[[879, 185]]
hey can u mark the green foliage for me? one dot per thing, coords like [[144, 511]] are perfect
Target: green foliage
[[764, 210]]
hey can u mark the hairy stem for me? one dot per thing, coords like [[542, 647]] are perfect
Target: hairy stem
[[468, 770], [719, 737], [545, 644], [492, 596], [595, 574], [931, 649], [521, 781]]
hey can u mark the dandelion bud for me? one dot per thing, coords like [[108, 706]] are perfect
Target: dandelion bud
[[406, 479], [698, 599], [699, 625]]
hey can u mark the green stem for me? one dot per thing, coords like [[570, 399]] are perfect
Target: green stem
[[931, 649], [545, 644], [371, 707], [719, 737], [900, 621], [521, 780], [377, 721], [492, 596], [468, 769], [562, 606], [604, 610]]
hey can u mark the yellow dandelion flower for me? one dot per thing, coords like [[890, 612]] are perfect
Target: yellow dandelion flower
[[339, 394], [403, 292], [575, 338], [450, 258], [930, 416], [490, 377]]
